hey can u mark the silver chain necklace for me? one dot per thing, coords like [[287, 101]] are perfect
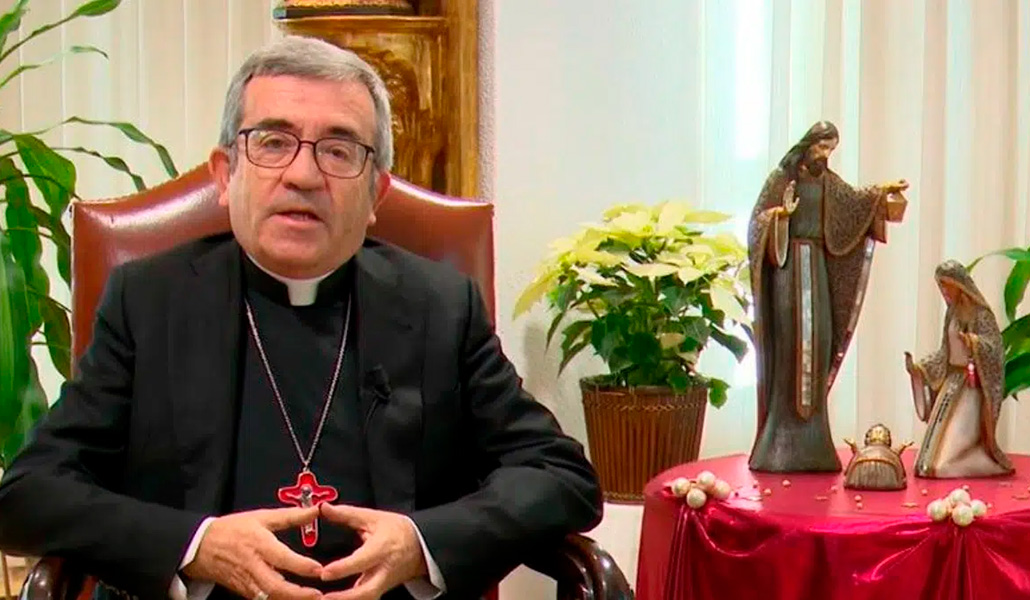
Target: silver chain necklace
[[305, 460]]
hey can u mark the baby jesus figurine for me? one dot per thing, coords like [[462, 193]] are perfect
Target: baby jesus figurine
[[877, 466]]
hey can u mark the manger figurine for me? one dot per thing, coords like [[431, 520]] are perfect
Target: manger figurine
[[958, 390], [810, 245], [877, 466]]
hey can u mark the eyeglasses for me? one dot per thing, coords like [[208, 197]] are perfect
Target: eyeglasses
[[336, 157]]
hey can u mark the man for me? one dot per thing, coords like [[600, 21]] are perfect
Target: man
[[294, 409], [810, 245]]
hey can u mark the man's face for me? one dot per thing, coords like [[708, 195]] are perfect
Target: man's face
[[295, 220], [817, 159]]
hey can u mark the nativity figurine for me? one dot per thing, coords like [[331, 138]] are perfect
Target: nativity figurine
[[958, 390], [877, 466], [810, 246]]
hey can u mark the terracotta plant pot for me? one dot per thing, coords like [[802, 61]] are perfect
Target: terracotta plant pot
[[636, 433]]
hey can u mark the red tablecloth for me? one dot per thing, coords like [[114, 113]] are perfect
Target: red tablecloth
[[809, 539]]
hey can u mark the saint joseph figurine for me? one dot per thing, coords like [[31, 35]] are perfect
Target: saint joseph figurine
[[810, 246]]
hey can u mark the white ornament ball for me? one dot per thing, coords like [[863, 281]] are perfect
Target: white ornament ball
[[979, 508], [962, 515], [696, 498], [680, 486], [959, 496], [706, 479], [937, 510], [722, 490]]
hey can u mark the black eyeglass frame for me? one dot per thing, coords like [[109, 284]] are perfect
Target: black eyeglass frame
[[246, 132]]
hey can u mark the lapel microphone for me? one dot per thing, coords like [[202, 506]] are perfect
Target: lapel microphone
[[378, 385]]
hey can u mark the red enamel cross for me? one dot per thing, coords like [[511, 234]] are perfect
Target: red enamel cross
[[307, 492]]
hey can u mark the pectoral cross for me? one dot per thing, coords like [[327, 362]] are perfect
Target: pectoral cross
[[307, 492]]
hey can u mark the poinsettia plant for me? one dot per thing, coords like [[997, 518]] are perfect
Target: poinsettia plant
[[647, 288]]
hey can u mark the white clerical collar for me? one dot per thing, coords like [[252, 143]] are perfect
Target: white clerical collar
[[302, 292]]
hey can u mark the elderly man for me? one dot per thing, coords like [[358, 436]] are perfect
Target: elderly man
[[294, 410]]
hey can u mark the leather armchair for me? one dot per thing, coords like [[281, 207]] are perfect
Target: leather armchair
[[458, 231]]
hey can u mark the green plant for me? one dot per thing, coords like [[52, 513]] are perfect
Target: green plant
[[647, 288], [29, 314], [1016, 334]]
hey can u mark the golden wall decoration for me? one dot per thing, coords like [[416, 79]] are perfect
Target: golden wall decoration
[[426, 52]]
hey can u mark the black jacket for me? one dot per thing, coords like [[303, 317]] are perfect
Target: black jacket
[[136, 452]]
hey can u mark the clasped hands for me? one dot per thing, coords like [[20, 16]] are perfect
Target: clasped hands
[[240, 552]]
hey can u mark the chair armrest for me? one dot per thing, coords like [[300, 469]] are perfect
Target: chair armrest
[[53, 579], [583, 570]]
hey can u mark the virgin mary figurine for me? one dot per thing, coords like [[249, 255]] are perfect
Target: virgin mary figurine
[[959, 389]]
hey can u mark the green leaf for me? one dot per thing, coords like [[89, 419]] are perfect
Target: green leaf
[[569, 353], [574, 331], [697, 331], [35, 33], [15, 356], [732, 343], [23, 237], [609, 333], [114, 162], [644, 349], [54, 174], [564, 294], [1017, 374], [619, 362], [95, 8], [58, 333], [10, 21], [675, 298], [1016, 333], [33, 407], [1015, 287], [717, 392], [678, 381], [1016, 254], [59, 235], [130, 131], [32, 66]]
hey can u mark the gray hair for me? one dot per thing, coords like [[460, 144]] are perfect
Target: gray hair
[[310, 58]]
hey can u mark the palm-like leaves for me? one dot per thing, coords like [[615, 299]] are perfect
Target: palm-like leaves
[[37, 183]]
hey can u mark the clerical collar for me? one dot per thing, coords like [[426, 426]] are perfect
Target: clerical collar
[[324, 289]]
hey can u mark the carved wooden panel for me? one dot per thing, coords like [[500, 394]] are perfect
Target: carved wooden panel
[[426, 52]]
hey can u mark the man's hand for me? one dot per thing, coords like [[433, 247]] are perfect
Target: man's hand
[[390, 553], [240, 552]]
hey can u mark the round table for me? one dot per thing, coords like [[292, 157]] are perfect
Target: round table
[[802, 535]]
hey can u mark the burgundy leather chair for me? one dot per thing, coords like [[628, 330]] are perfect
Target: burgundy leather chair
[[458, 231]]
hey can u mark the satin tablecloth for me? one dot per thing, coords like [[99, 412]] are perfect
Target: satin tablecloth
[[809, 539]]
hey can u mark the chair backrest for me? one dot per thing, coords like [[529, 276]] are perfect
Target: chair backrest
[[108, 233]]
